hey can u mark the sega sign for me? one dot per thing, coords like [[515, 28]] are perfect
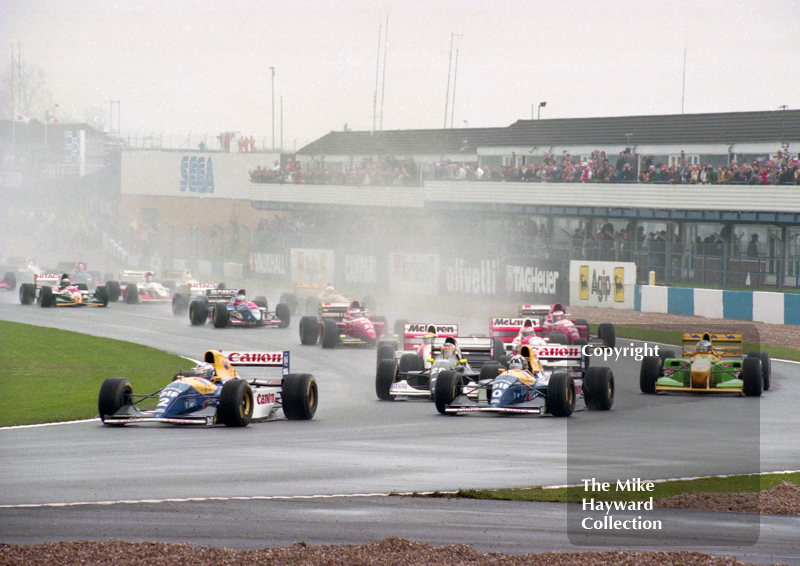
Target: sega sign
[[197, 175]]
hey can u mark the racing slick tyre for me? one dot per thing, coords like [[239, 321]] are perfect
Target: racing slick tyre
[[27, 293], [220, 316], [649, 373], [198, 311], [766, 366], [299, 396], [309, 330], [400, 327], [46, 298], [82, 286], [666, 355], [114, 290], [560, 399], [386, 350], [180, 304], [291, 300], [11, 280], [581, 322], [284, 313], [382, 319], [559, 338], [489, 370], [261, 302], [752, 379], [235, 403], [606, 331], [330, 334], [411, 362], [498, 349], [598, 388], [312, 306], [132, 294], [115, 393], [448, 387], [384, 378], [101, 295]]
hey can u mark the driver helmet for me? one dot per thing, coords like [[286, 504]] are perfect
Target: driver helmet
[[187, 275], [240, 297], [65, 282], [527, 331], [558, 315], [148, 277], [355, 311], [81, 266], [329, 289], [449, 350], [204, 369], [703, 346], [517, 362]]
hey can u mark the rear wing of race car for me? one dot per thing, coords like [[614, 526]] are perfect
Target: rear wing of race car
[[46, 279], [507, 328], [131, 275], [539, 312], [335, 311], [554, 355], [475, 349], [196, 289], [724, 344], [414, 334], [213, 293], [225, 363]]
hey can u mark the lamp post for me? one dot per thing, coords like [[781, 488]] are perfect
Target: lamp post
[[273, 107], [539, 110]]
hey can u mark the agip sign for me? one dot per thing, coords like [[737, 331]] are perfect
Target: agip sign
[[602, 284]]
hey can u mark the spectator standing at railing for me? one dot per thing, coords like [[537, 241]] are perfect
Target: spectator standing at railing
[[752, 247], [684, 170], [725, 175], [626, 175]]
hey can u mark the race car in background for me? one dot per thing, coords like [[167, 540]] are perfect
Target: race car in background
[[79, 273], [230, 307], [54, 290], [213, 392], [137, 287], [413, 373], [552, 322], [542, 379], [187, 292], [9, 282], [709, 363], [413, 337], [342, 323]]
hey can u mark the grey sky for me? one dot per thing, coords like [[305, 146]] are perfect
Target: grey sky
[[183, 66]]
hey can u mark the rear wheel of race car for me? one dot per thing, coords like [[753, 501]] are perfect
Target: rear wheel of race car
[[400, 327], [11, 280], [101, 295], [411, 362], [309, 330], [598, 388], [180, 304], [289, 299], [261, 302], [752, 379], [607, 333], [299, 396], [115, 393], [498, 349], [489, 370], [220, 316], [132, 294], [27, 293], [385, 376], [284, 313], [330, 334], [46, 298], [198, 311], [666, 355], [560, 399], [235, 403], [649, 373], [312, 306], [581, 322], [114, 290], [386, 350], [448, 386], [559, 338], [766, 367]]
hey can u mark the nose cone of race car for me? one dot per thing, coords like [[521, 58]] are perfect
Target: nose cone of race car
[[77, 297], [700, 372]]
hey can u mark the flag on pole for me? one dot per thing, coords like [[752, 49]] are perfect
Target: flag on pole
[[23, 119]]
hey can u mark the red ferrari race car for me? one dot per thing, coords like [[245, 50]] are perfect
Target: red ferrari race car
[[552, 323], [342, 323]]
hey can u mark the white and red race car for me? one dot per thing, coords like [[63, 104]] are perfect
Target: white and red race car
[[138, 287], [552, 323]]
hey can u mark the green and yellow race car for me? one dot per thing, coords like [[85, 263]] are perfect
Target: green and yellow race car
[[710, 363]]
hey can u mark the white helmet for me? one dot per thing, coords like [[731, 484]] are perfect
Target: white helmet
[[517, 362]]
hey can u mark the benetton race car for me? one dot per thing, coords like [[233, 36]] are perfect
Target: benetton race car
[[214, 393], [542, 378], [414, 373], [230, 307], [342, 324], [54, 290], [551, 322], [710, 363]]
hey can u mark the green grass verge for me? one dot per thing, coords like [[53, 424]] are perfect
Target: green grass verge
[[52, 375], [661, 489]]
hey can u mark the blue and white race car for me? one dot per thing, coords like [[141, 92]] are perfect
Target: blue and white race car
[[230, 307], [213, 392]]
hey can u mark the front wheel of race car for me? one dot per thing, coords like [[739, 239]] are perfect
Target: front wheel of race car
[[309, 330], [448, 387], [180, 304], [291, 300], [411, 362], [198, 311], [261, 302], [299, 396], [132, 294], [27, 293], [384, 378], [330, 334], [649, 373], [284, 313], [235, 403], [221, 316], [607, 333], [101, 295], [752, 379], [114, 290], [498, 349], [766, 366], [115, 393], [559, 338], [46, 297], [560, 399], [598, 388], [386, 350]]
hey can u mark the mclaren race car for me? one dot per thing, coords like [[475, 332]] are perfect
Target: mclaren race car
[[543, 378], [709, 363], [553, 323], [230, 307], [214, 393], [342, 324], [54, 290]]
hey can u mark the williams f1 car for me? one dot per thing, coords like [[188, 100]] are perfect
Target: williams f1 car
[[709, 363], [54, 290], [214, 393], [342, 324], [230, 307]]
